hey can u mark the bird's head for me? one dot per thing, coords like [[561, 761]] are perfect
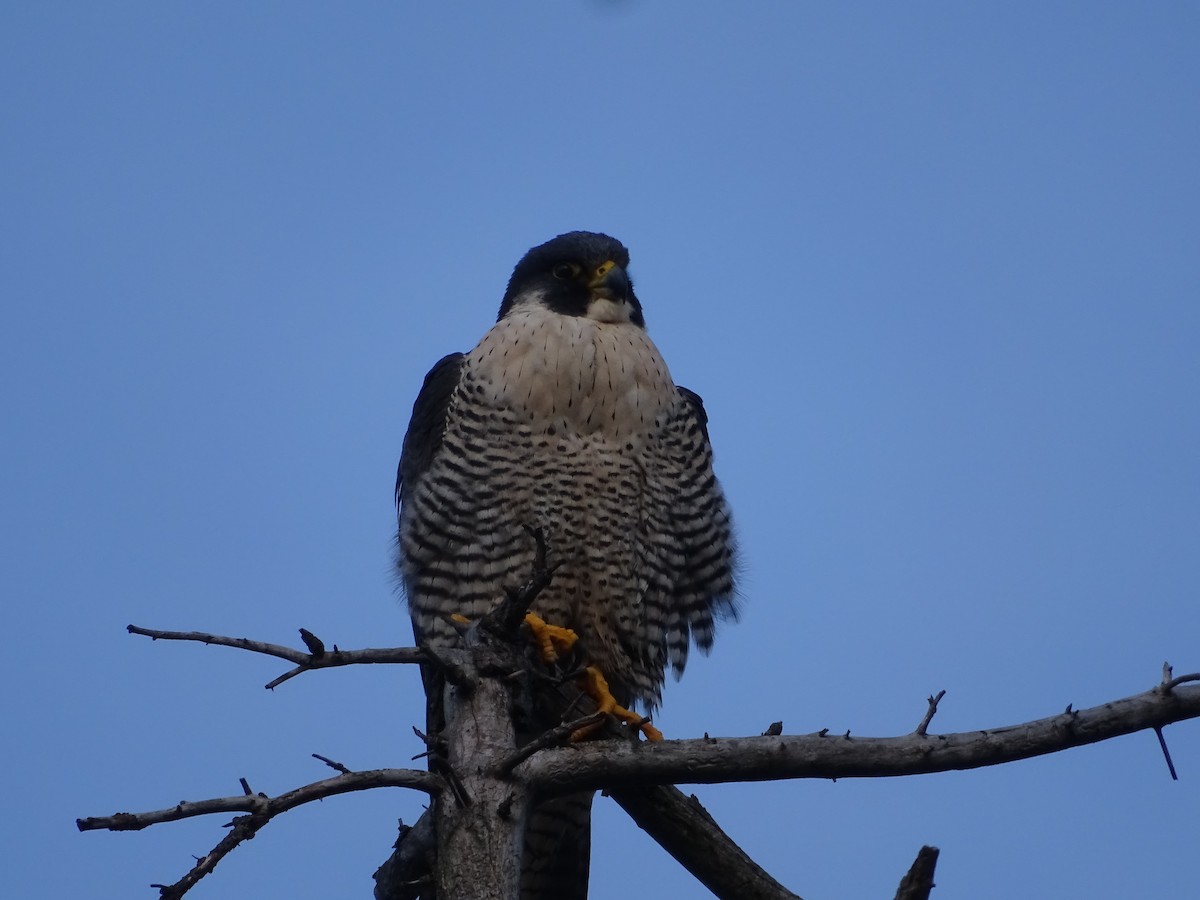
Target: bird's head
[[576, 274]]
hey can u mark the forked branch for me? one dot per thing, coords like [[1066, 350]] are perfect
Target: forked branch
[[259, 809], [316, 657], [261, 804]]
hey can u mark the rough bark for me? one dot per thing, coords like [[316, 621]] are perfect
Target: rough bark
[[480, 823], [823, 755], [408, 872]]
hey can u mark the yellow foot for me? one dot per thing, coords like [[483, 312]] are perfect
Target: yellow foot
[[595, 685], [551, 640]]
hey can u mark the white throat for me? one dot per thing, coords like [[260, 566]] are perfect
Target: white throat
[[584, 373]]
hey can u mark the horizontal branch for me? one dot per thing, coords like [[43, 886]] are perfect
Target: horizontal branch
[[259, 804], [316, 657], [822, 755]]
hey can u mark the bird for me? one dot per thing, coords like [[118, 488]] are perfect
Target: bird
[[564, 421]]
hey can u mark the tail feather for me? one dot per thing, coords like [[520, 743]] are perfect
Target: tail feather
[[557, 849]]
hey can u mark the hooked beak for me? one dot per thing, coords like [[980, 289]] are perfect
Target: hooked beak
[[610, 282]]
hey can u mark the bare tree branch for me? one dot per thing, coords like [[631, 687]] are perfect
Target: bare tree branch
[[259, 808], [934, 700], [1182, 679], [555, 737], [917, 884], [1162, 743], [408, 872], [316, 658], [333, 764], [497, 780], [481, 833], [260, 804], [821, 755], [506, 618], [242, 829], [684, 829]]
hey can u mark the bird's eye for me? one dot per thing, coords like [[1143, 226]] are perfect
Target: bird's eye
[[563, 271]]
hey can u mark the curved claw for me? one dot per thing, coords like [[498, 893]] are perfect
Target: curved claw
[[551, 640], [595, 685]]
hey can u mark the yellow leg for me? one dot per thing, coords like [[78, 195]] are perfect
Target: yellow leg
[[595, 685], [551, 640]]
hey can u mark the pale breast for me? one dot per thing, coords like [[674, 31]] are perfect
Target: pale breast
[[593, 377]]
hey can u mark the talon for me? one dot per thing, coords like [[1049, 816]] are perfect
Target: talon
[[651, 733], [551, 640], [595, 685]]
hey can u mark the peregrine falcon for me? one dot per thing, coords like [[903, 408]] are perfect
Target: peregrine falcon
[[564, 418]]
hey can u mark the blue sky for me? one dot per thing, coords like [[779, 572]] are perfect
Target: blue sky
[[933, 267]]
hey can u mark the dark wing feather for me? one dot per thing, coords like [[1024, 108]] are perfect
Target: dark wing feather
[[697, 405], [428, 422], [704, 589], [422, 441]]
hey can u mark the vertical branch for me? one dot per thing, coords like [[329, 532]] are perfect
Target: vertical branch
[[481, 835], [481, 829]]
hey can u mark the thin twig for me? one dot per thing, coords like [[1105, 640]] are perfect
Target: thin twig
[[929, 713], [507, 617], [1162, 742], [427, 782], [244, 828], [333, 764], [259, 808], [1182, 679], [435, 752], [304, 661], [552, 738]]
